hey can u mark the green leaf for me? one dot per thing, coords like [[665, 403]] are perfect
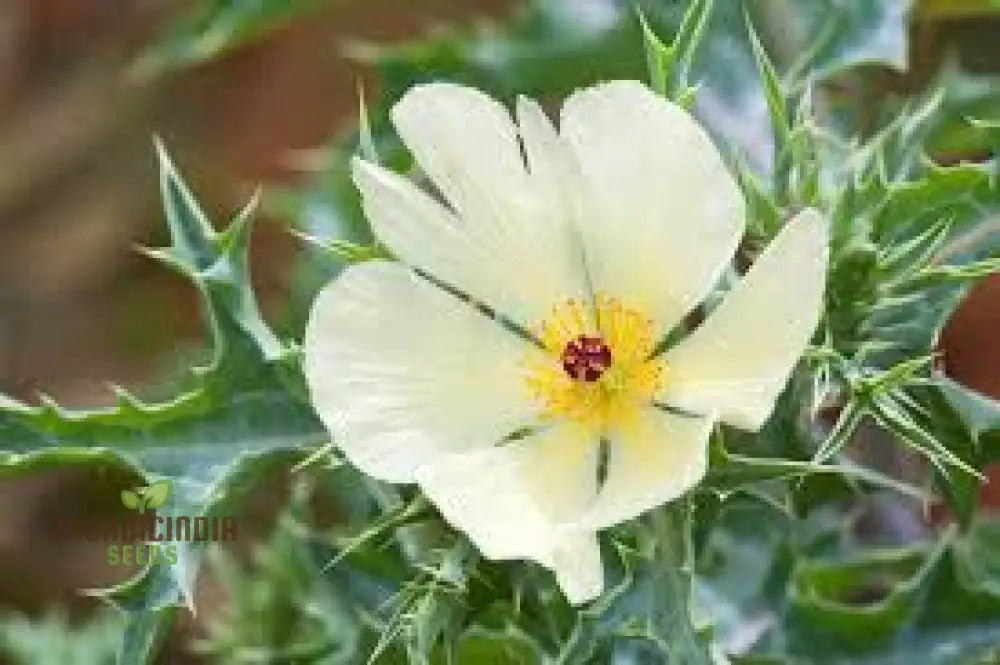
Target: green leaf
[[894, 412], [978, 557], [216, 263], [859, 604], [905, 255], [777, 105], [965, 194], [731, 473], [961, 274], [689, 37], [280, 602], [670, 66], [56, 640], [913, 255], [848, 420], [151, 599], [346, 251], [652, 602], [489, 647], [659, 58], [145, 632], [894, 606], [249, 401], [969, 425], [956, 129]]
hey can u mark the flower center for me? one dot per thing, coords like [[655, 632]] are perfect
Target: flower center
[[586, 357], [597, 366]]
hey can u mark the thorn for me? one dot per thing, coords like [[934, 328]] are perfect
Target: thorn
[[159, 146], [308, 239], [241, 223], [367, 142], [166, 257]]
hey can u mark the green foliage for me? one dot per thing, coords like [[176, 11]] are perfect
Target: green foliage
[[838, 603], [670, 65], [767, 562], [53, 640], [283, 607], [240, 415]]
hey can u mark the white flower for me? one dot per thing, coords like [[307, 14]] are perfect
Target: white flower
[[595, 242]]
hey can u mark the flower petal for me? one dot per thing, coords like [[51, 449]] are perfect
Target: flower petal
[[577, 565], [737, 362], [552, 165], [558, 466], [506, 239], [653, 458], [665, 213], [521, 500], [401, 371], [465, 142]]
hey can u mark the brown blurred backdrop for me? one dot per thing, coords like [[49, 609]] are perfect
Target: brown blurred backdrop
[[78, 188]]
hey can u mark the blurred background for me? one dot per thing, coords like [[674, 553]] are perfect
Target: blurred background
[[83, 88], [81, 96], [78, 187]]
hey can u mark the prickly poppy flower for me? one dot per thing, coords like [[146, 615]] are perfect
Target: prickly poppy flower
[[512, 363]]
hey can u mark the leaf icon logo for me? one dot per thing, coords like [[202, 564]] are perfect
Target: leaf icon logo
[[130, 499], [157, 494], [142, 498]]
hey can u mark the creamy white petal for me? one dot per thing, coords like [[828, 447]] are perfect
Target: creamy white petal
[[653, 458], [577, 565], [551, 163], [482, 493], [521, 500], [558, 466], [402, 372], [665, 214], [465, 142], [737, 362], [506, 238]]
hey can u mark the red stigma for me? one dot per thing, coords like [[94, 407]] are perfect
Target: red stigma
[[585, 358]]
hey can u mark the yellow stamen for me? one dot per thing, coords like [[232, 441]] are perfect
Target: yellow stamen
[[630, 380]]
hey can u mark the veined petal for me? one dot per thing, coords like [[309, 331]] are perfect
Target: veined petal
[[465, 142], [506, 239], [737, 362], [402, 372], [654, 457], [665, 214], [558, 466], [552, 165], [521, 500]]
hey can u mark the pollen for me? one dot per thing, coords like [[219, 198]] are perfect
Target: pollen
[[597, 365]]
